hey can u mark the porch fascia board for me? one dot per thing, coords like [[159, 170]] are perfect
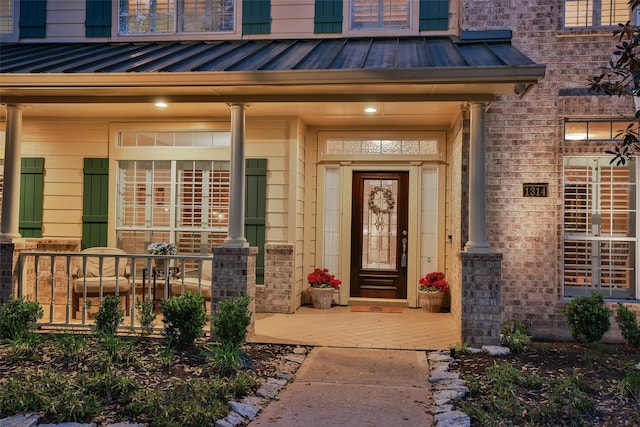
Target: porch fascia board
[[278, 85]]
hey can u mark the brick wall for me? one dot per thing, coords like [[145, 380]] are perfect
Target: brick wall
[[277, 293], [524, 138]]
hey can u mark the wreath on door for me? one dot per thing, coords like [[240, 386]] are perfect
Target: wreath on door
[[387, 197]]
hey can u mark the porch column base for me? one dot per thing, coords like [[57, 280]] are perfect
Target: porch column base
[[234, 272], [6, 270], [276, 295], [481, 298]]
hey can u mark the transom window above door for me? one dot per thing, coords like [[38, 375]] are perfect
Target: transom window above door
[[175, 16]]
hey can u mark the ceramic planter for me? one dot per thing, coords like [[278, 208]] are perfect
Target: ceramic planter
[[322, 297]]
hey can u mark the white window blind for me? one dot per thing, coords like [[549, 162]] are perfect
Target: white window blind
[[184, 202], [371, 14], [600, 235], [595, 13]]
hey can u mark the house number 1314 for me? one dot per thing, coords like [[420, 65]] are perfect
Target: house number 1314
[[534, 190]]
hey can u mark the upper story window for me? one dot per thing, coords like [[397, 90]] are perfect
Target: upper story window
[[595, 13], [6, 17], [377, 14], [175, 16]]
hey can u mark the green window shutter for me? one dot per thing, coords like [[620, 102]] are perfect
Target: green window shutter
[[256, 209], [256, 16], [434, 15], [95, 202], [33, 18], [98, 18], [328, 16], [31, 195]]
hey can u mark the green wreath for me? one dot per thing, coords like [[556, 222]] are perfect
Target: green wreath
[[388, 199]]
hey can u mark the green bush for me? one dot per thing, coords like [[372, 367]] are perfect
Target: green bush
[[109, 316], [231, 320], [588, 318], [184, 318], [145, 316], [16, 316], [226, 358], [515, 336], [628, 323]]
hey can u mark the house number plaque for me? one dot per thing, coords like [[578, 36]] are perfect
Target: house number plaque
[[535, 189]]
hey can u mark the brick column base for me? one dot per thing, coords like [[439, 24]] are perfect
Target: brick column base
[[481, 304], [234, 272], [276, 295], [6, 270]]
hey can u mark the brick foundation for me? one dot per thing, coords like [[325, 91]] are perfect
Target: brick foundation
[[234, 272], [276, 295], [481, 276]]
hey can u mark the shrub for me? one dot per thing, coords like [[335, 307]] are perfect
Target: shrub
[[226, 358], [628, 323], [231, 320], [15, 317], [588, 318], [515, 336], [145, 316], [184, 318], [109, 316]]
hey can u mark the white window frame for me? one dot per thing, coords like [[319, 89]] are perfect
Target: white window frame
[[219, 151], [14, 6], [123, 15], [411, 29], [589, 13], [593, 236]]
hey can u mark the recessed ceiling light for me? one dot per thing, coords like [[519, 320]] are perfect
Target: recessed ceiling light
[[161, 104], [370, 109]]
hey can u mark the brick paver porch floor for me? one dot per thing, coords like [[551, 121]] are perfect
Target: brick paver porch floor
[[413, 329]]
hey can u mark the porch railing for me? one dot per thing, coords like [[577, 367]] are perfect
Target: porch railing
[[66, 289]]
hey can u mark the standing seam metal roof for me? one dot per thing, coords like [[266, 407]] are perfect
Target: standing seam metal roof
[[386, 53]]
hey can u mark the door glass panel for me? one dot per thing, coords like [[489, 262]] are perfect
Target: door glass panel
[[380, 224]]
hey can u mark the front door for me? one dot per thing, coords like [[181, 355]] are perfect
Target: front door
[[379, 235]]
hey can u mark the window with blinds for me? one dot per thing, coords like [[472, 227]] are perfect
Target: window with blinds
[[175, 16], [595, 13], [6, 17], [377, 14], [600, 239], [184, 202]]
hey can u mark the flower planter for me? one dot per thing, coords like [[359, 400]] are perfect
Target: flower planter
[[322, 297], [430, 302]]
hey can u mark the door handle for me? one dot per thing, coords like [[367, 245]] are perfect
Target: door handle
[[403, 258]]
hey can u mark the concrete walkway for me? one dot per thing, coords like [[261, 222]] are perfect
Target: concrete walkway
[[355, 388]]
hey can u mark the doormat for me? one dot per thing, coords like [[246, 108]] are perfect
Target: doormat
[[375, 309]]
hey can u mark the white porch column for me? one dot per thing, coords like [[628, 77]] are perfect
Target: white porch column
[[11, 194], [477, 182], [236, 201]]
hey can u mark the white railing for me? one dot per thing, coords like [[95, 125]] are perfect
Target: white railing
[[68, 284]]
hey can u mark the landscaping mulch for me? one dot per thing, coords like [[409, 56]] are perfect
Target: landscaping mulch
[[150, 365], [599, 368]]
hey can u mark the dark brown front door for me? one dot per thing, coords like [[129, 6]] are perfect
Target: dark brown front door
[[379, 235]]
